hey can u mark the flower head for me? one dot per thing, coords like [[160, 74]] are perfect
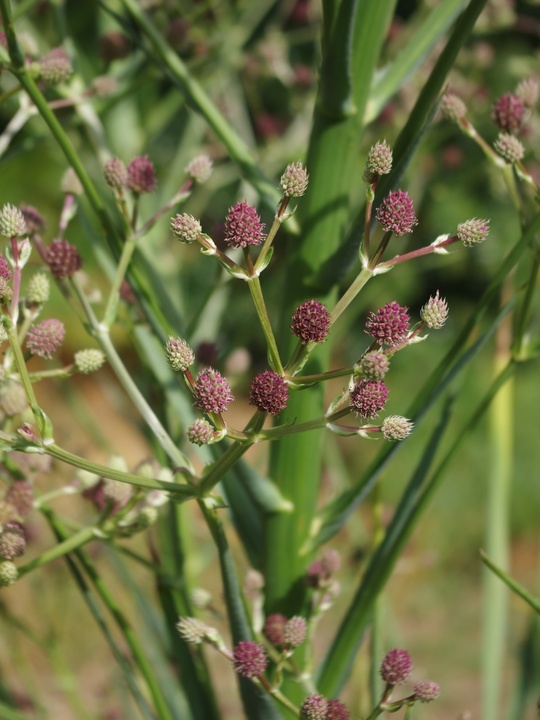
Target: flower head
[[55, 66], [396, 667], [141, 175], [379, 161], [193, 630], [21, 496], [389, 325], [5, 270], [12, 541], [321, 570], [200, 432], [200, 169], [310, 322], [509, 148], [185, 228], [115, 173], [88, 361], [243, 226], [211, 391], [12, 222], [368, 397], [63, 258], [8, 573], [396, 213], [179, 354], [35, 221], [472, 232], [274, 628], [374, 365], [453, 108], [396, 427], [435, 312], [38, 289], [269, 392], [45, 338], [294, 632], [508, 112], [426, 690], [337, 711], [527, 91], [250, 659], [294, 180], [314, 707]]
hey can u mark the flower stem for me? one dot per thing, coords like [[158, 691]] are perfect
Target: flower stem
[[68, 545], [258, 300], [346, 299]]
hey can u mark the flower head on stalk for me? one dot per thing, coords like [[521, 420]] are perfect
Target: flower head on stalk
[[314, 707], [200, 169], [426, 691], [508, 112], [435, 312], [45, 338], [389, 325], [509, 148], [185, 228], [63, 258], [396, 667], [115, 173], [396, 428], [250, 659], [269, 392], [212, 392], [472, 232], [141, 175], [243, 226], [396, 213], [310, 322], [368, 397], [294, 180], [12, 222], [453, 108], [379, 161]]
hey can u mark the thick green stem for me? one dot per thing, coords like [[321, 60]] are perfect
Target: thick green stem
[[68, 545], [258, 300]]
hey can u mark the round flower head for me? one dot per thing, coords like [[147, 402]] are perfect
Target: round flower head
[[368, 397], [200, 432], [396, 667], [426, 690], [509, 148], [453, 108], [396, 427], [337, 711], [21, 496], [185, 228], [88, 361], [435, 312], [243, 226], [294, 180], [310, 322], [8, 573], [389, 325], [13, 400], [274, 628], [35, 221], [63, 258], [71, 185], [379, 161], [179, 354], [12, 222], [12, 541], [374, 365], [508, 112], [5, 270], [314, 707], [269, 392], [200, 169], [192, 630], [55, 67], [472, 232], [115, 173], [294, 632], [527, 92], [250, 659], [38, 289], [396, 213], [141, 175], [45, 338], [212, 392]]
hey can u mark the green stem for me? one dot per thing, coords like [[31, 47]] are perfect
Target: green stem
[[346, 299], [66, 546], [512, 584], [121, 269], [269, 239], [258, 300]]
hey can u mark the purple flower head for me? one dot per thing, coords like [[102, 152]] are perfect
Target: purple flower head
[[396, 213], [21, 496], [426, 690], [337, 711], [45, 338], [115, 173], [396, 667], [310, 322], [453, 108], [321, 570], [250, 659], [295, 631], [379, 161], [374, 365], [63, 258], [55, 66], [368, 397], [212, 392], [269, 392], [5, 269], [472, 232], [243, 226], [274, 627], [389, 325], [141, 175], [200, 432], [509, 148], [314, 707], [12, 541], [508, 112]]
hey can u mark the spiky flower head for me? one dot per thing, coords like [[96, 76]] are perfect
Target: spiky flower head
[[314, 707], [117, 493], [337, 711], [21, 496], [509, 147], [294, 181], [115, 173], [250, 659], [368, 397], [185, 228], [396, 427], [274, 628], [472, 232], [508, 111], [12, 222], [527, 91], [55, 66], [38, 289], [141, 175], [12, 541], [389, 325], [200, 432], [396, 213], [63, 258], [374, 365], [179, 354], [453, 108], [310, 322], [35, 222], [70, 184], [379, 161], [426, 691], [13, 400], [243, 226], [435, 312], [46, 337], [200, 169], [89, 360], [6, 293], [295, 630], [192, 630], [396, 667], [269, 392], [5, 269], [212, 392], [8, 573]]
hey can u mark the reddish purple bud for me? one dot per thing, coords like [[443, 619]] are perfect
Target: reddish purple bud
[[274, 627], [21, 496], [389, 325], [141, 175], [295, 631], [243, 226], [472, 232], [5, 269], [12, 541], [212, 392], [368, 397], [250, 659], [508, 112], [396, 213], [314, 707], [45, 338], [63, 258], [200, 432], [55, 66], [337, 711], [310, 322], [426, 690], [396, 667], [269, 392]]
